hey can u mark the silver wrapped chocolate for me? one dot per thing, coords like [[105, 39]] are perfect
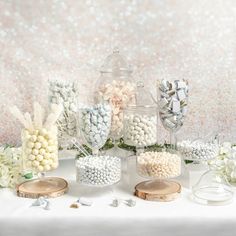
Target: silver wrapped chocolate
[[173, 102]]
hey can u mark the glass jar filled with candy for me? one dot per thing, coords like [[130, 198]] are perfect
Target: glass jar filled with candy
[[173, 101], [96, 169], [40, 152], [140, 125], [140, 120], [65, 93], [117, 88], [158, 165]]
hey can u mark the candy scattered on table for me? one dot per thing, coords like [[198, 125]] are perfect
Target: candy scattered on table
[[47, 206], [119, 94], [39, 201], [65, 93], [98, 170], [116, 202], [131, 202], [173, 103], [140, 130], [158, 164], [84, 201], [74, 205], [198, 150], [95, 122], [42, 201]]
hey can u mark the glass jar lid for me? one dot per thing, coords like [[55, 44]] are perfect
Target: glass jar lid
[[213, 189], [144, 96], [115, 64]]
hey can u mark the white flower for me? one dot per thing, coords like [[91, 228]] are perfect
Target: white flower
[[226, 161], [9, 166]]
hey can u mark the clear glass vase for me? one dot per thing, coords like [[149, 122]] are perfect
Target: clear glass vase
[[172, 101]]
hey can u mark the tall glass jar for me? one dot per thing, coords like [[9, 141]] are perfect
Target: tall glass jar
[[39, 150], [66, 94], [140, 125], [117, 88]]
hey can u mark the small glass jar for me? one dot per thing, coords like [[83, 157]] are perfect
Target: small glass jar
[[140, 125], [39, 150], [98, 171]]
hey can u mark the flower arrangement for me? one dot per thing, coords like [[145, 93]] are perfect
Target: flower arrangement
[[10, 168], [226, 161]]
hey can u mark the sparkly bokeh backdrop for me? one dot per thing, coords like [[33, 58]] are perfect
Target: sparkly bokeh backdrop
[[196, 40]]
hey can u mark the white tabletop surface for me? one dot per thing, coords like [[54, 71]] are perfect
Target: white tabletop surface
[[177, 218]]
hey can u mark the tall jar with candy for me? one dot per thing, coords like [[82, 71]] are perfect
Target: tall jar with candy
[[173, 101], [117, 88], [96, 169], [140, 120], [65, 93], [40, 151]]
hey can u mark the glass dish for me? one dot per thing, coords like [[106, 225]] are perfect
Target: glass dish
[[213, 189], [159, 166]]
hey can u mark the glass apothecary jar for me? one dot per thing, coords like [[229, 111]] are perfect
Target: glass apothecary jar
[[39, 150], [117, 88], [140, 125]]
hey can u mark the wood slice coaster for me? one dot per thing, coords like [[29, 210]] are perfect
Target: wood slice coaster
[[157, 190], [49, 187]]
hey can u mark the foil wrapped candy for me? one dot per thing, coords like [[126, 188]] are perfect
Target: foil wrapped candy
[[173, 103]]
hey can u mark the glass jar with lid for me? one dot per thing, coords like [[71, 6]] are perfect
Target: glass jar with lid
[[117, 88], [140, 120]]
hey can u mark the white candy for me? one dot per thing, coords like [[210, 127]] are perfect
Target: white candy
[[119, 94], [140, 130], [35, 155], [65, 93], [159, 164], [173, 103], [95, 129], [198, 150], [98, 170]]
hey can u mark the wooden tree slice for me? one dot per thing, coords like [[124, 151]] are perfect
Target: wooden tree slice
[[156, 190], [49, 187]]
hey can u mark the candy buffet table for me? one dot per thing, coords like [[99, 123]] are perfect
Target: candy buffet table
[[178, 218]]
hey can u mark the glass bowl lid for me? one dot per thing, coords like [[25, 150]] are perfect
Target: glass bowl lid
[[116, 64]]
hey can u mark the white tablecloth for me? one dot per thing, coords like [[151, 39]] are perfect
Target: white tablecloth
[[178, 218]]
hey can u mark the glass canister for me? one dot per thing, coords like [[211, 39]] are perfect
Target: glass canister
[[117, 88], [39, 149], [140, 125], [65, 93]]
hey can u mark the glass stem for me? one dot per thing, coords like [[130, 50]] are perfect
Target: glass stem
[[173, 140]]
